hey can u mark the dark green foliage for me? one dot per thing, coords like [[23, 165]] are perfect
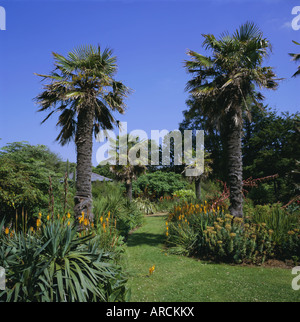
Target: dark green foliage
[[159, 184], [272, 146], [104, 170], [24, 181]]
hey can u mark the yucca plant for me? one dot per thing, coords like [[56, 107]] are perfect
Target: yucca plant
[[54, 264], [145, 205]]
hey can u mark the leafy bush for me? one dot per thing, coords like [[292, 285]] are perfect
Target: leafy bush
[[24, 178], [158, 184], [56, 263], [185, 195], [213, 233]]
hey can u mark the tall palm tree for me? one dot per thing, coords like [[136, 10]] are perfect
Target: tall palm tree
[[83, 90], [223, 83]]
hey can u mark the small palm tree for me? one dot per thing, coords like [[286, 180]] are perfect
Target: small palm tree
[[198, 179], [130, 171], [223, 83], [83, 90]]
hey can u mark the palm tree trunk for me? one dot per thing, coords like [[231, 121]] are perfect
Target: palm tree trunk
[[129, 190], [198, 188], [84, 147], [235, 170]]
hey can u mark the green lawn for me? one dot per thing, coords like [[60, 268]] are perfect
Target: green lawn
[[182, 279]]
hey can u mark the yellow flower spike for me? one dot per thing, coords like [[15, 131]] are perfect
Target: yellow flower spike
[[109, 214], [48, 217], [40, 215], [7, 231], [101, 219], [68, 215], [38, 222], [86, 222], [69, 223]]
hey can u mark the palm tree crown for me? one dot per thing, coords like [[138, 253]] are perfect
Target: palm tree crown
[[224, 81], [83, 78]]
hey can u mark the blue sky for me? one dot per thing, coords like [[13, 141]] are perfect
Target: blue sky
[[150, 39]]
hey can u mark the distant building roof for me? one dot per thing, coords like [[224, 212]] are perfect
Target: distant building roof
[[95, 177]]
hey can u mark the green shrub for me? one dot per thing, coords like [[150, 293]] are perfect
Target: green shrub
[[158, 184], [24, 178], [185, 195]]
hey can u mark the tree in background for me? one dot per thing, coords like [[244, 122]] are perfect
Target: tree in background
[[24, 178], [130, 171], [83, 90], [198, 179], [159, 184], [271, 146], [222, 83]]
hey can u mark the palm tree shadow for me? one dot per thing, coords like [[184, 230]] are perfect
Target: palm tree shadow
[[139, 239]]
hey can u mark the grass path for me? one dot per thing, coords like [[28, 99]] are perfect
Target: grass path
[[182, 279]]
